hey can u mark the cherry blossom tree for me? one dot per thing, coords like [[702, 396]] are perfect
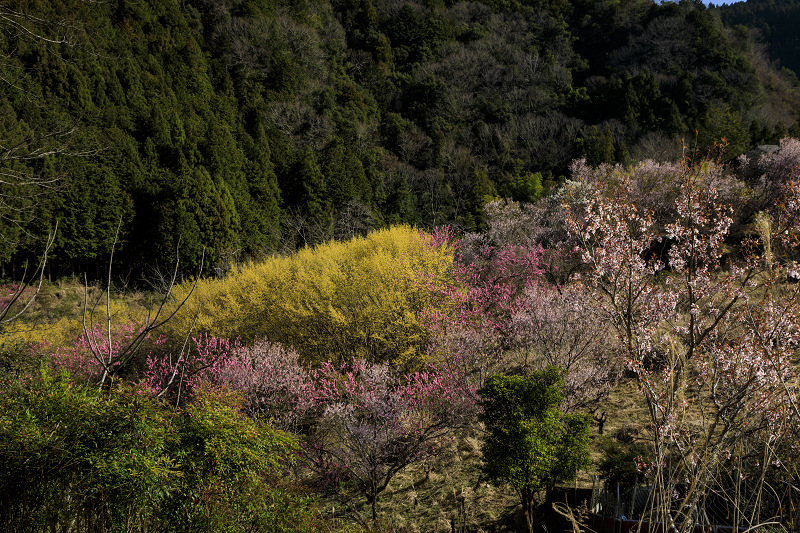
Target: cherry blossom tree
[[551, 327], [539, 224], [176, 375], [488, 277], [767, 174], [709, 340]]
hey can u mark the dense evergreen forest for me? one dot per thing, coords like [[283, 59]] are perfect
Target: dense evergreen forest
[[776, 26], [247, 127]]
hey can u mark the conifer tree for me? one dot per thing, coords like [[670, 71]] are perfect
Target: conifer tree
[[315, 197]]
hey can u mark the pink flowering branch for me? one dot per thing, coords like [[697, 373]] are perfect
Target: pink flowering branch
[[102, 350], [275, 385], [176, 376], [373, 424], [470, 320], [79, 359], [696, 332], [498, 308]]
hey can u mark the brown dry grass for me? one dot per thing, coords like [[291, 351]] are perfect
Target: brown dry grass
[[56, 314], [444, 494]]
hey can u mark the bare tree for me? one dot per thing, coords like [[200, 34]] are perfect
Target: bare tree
[[19, 185], [112, 359], [19, 296], [17, 24], [354, 219]]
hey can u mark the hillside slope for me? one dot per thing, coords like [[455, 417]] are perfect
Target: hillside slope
[[249, 127]]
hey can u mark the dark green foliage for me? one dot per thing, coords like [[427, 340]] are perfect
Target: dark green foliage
[[482, 191], [258, 203], [74, 458], [249, 126], [776, 23], [619, 462], [722, 133], [599, 146], [313, 195], [529, 443]]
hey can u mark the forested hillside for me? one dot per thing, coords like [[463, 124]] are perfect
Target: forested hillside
[[452, 256], [254, 126], [775, 23]]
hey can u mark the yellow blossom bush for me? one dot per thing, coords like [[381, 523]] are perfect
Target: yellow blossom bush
[[335, 301]]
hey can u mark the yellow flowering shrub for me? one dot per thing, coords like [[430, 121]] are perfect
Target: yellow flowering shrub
[[64, 331], [335, 301]]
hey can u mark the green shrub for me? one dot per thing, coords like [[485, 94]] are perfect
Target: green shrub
[[231, 472], [619, 461], [529, 443], [77, 458], [71, 455], [17, 359]]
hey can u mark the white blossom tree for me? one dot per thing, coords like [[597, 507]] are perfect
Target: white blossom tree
[[709, 340]]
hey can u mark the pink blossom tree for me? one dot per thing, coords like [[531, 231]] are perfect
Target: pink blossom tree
[[501, 308], [175, 375], [767, 174], [373, 424], [274, 383], [79, 358], [710, 347], [551, 327], [488, 278], [468, 353], [530, 225], [470, 319]]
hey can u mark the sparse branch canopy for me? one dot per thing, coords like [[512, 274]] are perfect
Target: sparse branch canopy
[[24, 150], [22, 186], [710, 338], [375, 423], [17, 24], [19, 295], [112, 358]]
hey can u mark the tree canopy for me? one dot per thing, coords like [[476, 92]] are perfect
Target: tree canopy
[[529, 443], [250, 127]]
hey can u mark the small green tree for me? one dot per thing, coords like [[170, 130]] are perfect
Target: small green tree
[[529, 443]]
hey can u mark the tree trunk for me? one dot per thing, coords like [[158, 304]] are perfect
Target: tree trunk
[[372, 499], [527, 509]]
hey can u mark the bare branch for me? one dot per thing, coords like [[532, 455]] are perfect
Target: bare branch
[[40, 270], [31, 27]]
